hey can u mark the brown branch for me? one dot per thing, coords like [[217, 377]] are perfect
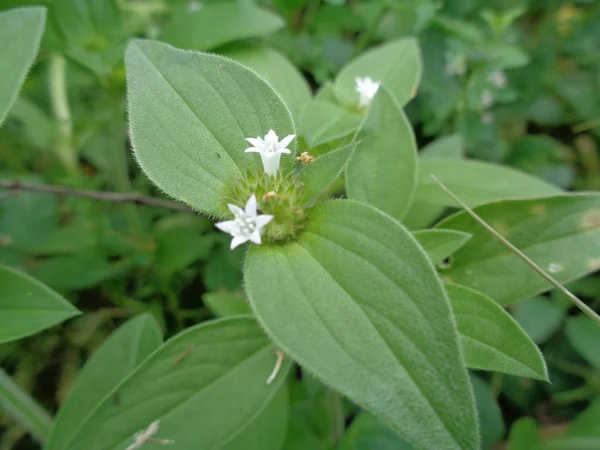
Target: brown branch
[[136, 198]]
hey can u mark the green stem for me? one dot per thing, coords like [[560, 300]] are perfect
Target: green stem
[[24, 408], [60, 107], [337, 422], [574, 395], [570, 368]]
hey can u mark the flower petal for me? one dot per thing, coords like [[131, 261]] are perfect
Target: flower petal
[[255, 237], [271, 137], [253, 150], [228, 226], [262, 220], [250, 209], [237, 241], [287, 151], [257, 142], [286, 140], [236, 210]]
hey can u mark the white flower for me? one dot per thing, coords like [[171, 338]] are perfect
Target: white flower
[[270, 150], [367, 88], [497, 78], [246, 226], [194, 6], [147, 435], [487, 98], [456, 66]]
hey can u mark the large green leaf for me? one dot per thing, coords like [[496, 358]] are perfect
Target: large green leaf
[[561, 234], [383, 169], [285, 78], [584, 337], [216, 24], [190, 114], [205, 385], [452, 146], [356, 302], [491, 338], [439, 244], [27, 306], [476, 182], [396, 64], [17, 403], [114, 361], [20, 33], [322, 122]]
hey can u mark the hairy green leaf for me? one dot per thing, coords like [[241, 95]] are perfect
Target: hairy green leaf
[[439, 244], [554, 232], [356, 302], [114, 361], [491, 338], [383, 169], [190, 114], [322, 122], [205, 385]]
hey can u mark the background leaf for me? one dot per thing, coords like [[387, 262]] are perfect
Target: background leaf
[[27, 306], [110, 364], [554, 232], [190, 114], [476, 182], [357, 287], [584, 336], [439, 244], [396, 64], [20, 33], [322, 122], [205, 385], [382, 171], [216, 24]]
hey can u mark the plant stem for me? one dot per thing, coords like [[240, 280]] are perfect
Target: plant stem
[[60, 107], [582, 393], [337, 420], [114, 197]]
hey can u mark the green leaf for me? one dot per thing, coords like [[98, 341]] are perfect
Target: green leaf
[[219, 23], [559, 233], [190, 114], [396, 64], [322, 122], [223, 303], [27, 306], [524, 436], [490, 414], [540, 317], [215, 372], [383, 169], [324, 171], [121, 353], [17, 403], [20, 33], [268, 430], [285, 78], [584, 336], [368, 433], [501, 345], [583, 433], [452, 146], [476, 182], [356, 302], [439, 244]]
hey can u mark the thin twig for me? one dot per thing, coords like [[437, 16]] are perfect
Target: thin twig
[[114, 197], [576, 301]]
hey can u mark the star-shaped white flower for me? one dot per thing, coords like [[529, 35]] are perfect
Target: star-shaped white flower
[[367, 88], [270, 149], [247, 225]]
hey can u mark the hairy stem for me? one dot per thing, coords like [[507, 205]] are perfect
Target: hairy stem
[[60, 107]]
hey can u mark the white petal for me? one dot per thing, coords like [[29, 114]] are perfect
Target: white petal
[[237, 241], [287, 151], [271, 137], [271, 163], [257, 142], [236, 210], [286, 140], [255, 237], [227, 226], [251, 206], [253, 150], [262, 220]]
